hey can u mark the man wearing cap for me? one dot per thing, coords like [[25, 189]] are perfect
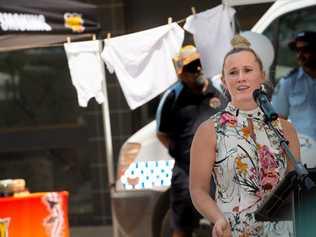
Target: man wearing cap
[[295, 95], [188, 103]]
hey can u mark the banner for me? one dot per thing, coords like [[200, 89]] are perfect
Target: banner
[[40, 23], [46, 16]]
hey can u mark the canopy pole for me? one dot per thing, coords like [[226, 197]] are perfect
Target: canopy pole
[[109, 151]]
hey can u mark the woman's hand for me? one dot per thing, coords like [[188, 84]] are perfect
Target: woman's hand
[[221, 229]]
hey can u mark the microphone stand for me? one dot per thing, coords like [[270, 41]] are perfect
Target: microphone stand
[[302, 174]]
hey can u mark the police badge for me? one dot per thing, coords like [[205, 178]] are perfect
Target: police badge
[[215, 102]]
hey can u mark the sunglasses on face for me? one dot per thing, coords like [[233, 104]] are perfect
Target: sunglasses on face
[[305, 49], [193, 67]]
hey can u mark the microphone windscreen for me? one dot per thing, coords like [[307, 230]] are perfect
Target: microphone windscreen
[[256, 93]]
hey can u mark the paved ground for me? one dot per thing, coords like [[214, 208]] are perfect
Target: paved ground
[[91, 231]]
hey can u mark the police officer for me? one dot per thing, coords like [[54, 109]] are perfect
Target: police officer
[[192, 100], [295, 95]]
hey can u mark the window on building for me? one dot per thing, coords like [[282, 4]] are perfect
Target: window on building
[[46, 138]]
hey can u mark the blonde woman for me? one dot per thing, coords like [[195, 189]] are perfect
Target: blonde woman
[[241, 152]]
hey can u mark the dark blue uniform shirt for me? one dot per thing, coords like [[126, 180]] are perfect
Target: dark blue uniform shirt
[[179, 114]]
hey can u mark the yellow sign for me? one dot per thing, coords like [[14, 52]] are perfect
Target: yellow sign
[[74, 21]]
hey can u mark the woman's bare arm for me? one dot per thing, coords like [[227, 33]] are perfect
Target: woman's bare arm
[[203, 154]]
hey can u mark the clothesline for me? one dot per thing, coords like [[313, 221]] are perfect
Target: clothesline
[[109, 34], [142, 61], [92, 36]]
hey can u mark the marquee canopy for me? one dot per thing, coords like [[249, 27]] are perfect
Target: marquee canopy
[[40, 23]]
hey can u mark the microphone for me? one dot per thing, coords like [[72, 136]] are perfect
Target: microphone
[[263, 102]]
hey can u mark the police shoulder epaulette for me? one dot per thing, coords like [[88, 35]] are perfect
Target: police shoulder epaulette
[[291, 73]]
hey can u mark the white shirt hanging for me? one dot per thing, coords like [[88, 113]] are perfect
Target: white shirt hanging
[[142, 61], [212, 31], [86, 70]]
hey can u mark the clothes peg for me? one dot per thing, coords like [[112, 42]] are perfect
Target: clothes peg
[[225, 4], [169, 20], [193, 10]]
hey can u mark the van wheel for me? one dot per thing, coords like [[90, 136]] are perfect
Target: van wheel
[[165, 230]]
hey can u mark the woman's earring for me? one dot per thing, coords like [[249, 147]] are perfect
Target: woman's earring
[[226, 93]]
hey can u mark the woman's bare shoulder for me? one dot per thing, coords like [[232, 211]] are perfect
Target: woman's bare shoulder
[[207, 125], [289, 131], [206, 130], [287, 126]]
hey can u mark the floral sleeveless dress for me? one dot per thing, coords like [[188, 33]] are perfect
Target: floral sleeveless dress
[[249, 164]]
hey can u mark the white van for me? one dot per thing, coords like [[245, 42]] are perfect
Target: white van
[[140, 201]]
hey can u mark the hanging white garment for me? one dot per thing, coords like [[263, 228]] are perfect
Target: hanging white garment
[[142, 61], [212, 31], [86, 70], [263, 47]]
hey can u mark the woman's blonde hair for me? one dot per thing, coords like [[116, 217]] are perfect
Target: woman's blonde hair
[[241, 44]]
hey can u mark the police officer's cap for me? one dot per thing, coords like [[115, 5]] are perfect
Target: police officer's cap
[[308, 37]]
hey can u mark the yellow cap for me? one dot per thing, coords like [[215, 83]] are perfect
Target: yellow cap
[[186, 55]]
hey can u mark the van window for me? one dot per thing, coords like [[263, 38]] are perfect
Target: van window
[[281, 31]]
